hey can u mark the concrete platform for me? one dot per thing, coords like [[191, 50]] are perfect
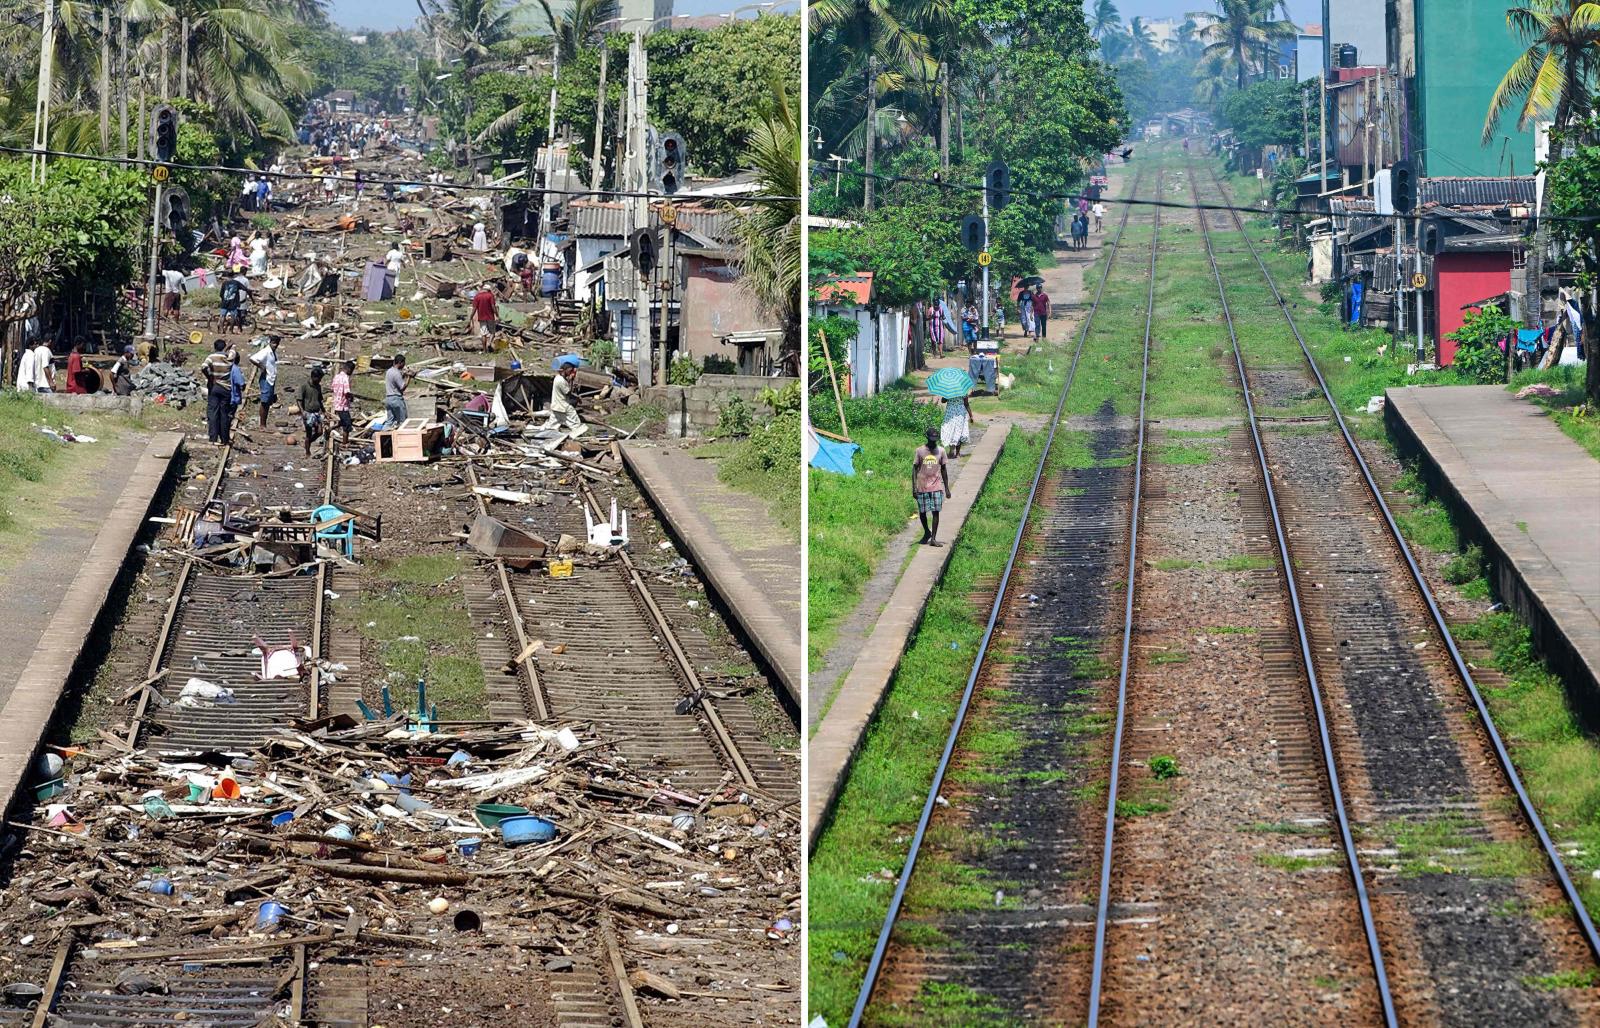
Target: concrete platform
[[1528, 495], [833, 747], [746, 558], [78, 617]]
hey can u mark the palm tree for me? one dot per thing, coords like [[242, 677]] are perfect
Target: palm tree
[[468, 27], [1555, 75], [578, 25], [844, 35], [1115, 45], [1242, 28], [769, 233], [1188, 36], [1105, 19], [1141, 41]]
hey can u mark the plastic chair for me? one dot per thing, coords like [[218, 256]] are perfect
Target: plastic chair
[[344, 534]]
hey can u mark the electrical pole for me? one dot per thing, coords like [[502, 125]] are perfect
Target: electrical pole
[[637, 182], [41, 109], [983, 321], [596, 170], [549, 166], [105, 79], [669, 280], [183, 58], [872, 126], [944, 120], [155, 257], [122, 79]]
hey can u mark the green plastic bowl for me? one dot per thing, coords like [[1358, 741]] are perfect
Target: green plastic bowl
[[490, 815]]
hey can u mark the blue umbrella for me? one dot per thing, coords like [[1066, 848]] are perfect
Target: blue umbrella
[[576, 360], [950, 383]]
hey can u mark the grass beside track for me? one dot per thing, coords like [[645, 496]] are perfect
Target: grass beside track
[[37, 471], [853, 868]]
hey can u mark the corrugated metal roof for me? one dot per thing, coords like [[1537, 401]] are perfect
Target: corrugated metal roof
[[1477, 192], [610, 221]]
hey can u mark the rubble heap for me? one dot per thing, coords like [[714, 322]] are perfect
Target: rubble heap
[[174, 383]]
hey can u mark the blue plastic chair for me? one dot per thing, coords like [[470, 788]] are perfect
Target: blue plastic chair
[[344, 534]]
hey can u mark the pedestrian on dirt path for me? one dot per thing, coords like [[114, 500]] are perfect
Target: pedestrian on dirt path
[[215, 369], [395, 381], [341, 398], [311, 409], [260, 247], [1025, 311], [266, 359], [1099, 211], [485, 315], [1041, 313], [235, 384], [1080, 231], [480, 238], [231, 303], [930, 485], [44, 372], [174, 284], [26, 374], [956, 429]]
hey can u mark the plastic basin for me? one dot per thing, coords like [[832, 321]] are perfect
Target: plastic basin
[[525, 828], [490, 815]]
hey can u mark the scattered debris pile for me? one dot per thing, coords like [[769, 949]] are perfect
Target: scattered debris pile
[[342, 835], [166, 380]]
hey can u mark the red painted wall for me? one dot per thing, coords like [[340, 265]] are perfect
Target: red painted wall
[[1462, 278]]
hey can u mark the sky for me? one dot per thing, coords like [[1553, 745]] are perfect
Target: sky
[[400, 14], [1301, 12]]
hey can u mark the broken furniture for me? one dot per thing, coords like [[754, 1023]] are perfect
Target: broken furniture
[[413, 440], [494, 538], [336, 526]]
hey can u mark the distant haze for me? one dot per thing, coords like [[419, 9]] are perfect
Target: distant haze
[[384, 15], [1301, 12]]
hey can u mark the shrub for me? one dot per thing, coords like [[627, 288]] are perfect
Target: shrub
[[734, 419], [683, 371]]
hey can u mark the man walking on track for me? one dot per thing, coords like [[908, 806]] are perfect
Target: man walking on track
[[1041, 312], [930, 484]]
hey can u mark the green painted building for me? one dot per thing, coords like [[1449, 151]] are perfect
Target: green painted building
[[1462, 49]]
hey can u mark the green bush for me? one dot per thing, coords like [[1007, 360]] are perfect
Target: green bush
[[714, 365], [774, 445], [733, 419], [1479, 357], [896, 409], [683, 371], [1464, 566]]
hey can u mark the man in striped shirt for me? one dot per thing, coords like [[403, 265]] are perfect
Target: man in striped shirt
[[216, 368]]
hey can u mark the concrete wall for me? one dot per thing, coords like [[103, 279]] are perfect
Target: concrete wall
[[94, 401], [701, 403], [1463, 49]]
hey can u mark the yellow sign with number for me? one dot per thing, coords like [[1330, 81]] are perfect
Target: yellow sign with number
[[1419, 281], [160, 173], [985, 259]]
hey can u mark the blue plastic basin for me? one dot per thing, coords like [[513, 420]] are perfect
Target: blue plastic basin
[[518, 831]]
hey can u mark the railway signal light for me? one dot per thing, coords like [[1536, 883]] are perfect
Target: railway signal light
[[642, 248], [175, 210], [997, 183], [164, 132], [1403, 186], [974, 234], [672, 162]]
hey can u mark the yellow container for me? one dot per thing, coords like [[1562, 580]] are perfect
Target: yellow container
[[364, 362], [561, 569]]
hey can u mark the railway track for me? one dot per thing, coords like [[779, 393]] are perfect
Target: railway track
[[628, 666], [1434, 821], [1053, 611]]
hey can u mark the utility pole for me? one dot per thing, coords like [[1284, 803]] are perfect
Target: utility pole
[[983, 320], [183, 58], [155, 259], [872, 126], [165, 45], [667, 268], [637, 182], [549, 165], [41, 110], [1322, 132], [944, 120], [596, 169], [105, 79], [122, 89]]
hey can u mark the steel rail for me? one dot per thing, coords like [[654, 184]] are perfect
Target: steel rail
[[1524, 801], [680, 657], [541, 703], [1318, 702], [875, 965], [1102, 914]]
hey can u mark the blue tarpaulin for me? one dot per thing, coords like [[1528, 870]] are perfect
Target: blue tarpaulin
[[829, 454]]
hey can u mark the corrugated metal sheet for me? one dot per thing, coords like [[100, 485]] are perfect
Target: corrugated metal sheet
[[1477, 192], [610, 221]]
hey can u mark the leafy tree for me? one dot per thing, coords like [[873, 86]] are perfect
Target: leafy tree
[[1242, 28], [1572, 203], [1105, 19], [1265, 113], [1556, 73], [65, 238], [769, 232]]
